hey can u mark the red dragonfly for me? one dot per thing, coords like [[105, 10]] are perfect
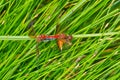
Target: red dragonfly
[[61, 38]]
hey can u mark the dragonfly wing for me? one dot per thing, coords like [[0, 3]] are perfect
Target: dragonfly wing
[[32, 32], [60, 41], [58, 28]]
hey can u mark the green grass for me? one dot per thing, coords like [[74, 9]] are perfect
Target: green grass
[[95, 50]]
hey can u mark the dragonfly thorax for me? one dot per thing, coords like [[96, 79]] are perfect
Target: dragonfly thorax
[[61, 36]]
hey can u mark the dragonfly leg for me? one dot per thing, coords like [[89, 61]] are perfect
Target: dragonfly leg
[[37, 48], [68, 42]]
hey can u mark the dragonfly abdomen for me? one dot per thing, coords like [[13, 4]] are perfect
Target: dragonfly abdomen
[[46, 37], [52, 37]]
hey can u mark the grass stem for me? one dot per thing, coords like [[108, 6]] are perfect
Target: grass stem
[[75, 36]]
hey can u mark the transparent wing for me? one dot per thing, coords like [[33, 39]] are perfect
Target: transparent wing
[[60, 42], [32, 32], [58, 28]]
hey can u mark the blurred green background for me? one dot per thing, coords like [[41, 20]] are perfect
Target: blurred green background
[[87, 58]]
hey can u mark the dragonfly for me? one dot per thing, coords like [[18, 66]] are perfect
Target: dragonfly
[[61, 38]]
